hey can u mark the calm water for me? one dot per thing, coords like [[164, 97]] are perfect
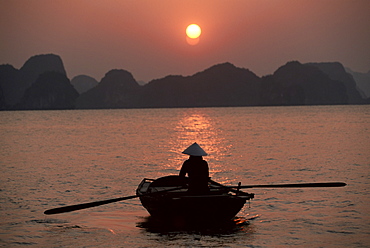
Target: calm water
[[51, 158]]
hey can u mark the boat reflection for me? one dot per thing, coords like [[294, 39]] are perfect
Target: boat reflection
[[179, 226]]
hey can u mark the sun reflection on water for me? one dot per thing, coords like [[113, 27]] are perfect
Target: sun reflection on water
[[195, 125]]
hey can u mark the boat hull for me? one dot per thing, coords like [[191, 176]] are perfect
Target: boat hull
[[219, 204], [193, 207]]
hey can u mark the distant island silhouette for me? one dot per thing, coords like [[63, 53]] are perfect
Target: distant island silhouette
[[41, 84]]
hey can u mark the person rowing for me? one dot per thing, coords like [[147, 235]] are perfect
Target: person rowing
[[197, 170]]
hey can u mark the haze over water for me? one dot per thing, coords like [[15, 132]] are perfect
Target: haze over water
[[51, 158]]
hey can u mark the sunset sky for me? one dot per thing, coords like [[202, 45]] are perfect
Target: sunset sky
[[148, 38]]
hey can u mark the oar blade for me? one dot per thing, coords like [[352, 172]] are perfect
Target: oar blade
[[71, 208], [67, 209]]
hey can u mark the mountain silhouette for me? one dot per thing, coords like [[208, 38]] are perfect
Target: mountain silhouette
[[42, 83], [83, 83], [118, 89], [36, 65], [362, 82], [336, 71], [11, 85], [299, 84], [52, 90], [15, 82], [220, 85]]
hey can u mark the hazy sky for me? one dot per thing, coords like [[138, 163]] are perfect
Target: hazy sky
[[148, 38]]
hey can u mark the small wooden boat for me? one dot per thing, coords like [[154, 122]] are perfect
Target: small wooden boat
[[167, 197]]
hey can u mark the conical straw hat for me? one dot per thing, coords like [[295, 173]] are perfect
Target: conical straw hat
[[195, 150]]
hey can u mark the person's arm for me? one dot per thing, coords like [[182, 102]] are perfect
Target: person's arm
[[183, 170], [206, 168]]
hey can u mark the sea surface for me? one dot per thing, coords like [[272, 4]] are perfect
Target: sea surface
[[50, 159]]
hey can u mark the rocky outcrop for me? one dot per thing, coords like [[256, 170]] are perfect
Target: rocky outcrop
[[37, 65], [362, 81], [2, 100], [83, 83], [298, 84], [337, 72], [15, 82], [118, 89], [52, 90], [220, 85], [11, 85]]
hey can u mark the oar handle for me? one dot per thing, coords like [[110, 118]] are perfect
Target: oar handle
[[294, 185], [230, 189]]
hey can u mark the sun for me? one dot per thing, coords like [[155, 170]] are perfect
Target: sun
[[193, 31]]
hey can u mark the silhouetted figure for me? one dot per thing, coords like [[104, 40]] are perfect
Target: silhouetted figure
[[197, 170]]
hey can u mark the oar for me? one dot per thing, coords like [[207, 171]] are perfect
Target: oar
[[227, 187], [98, 203], [292, 185]]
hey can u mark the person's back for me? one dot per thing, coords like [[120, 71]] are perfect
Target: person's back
[[197, 170], [196, 167]]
